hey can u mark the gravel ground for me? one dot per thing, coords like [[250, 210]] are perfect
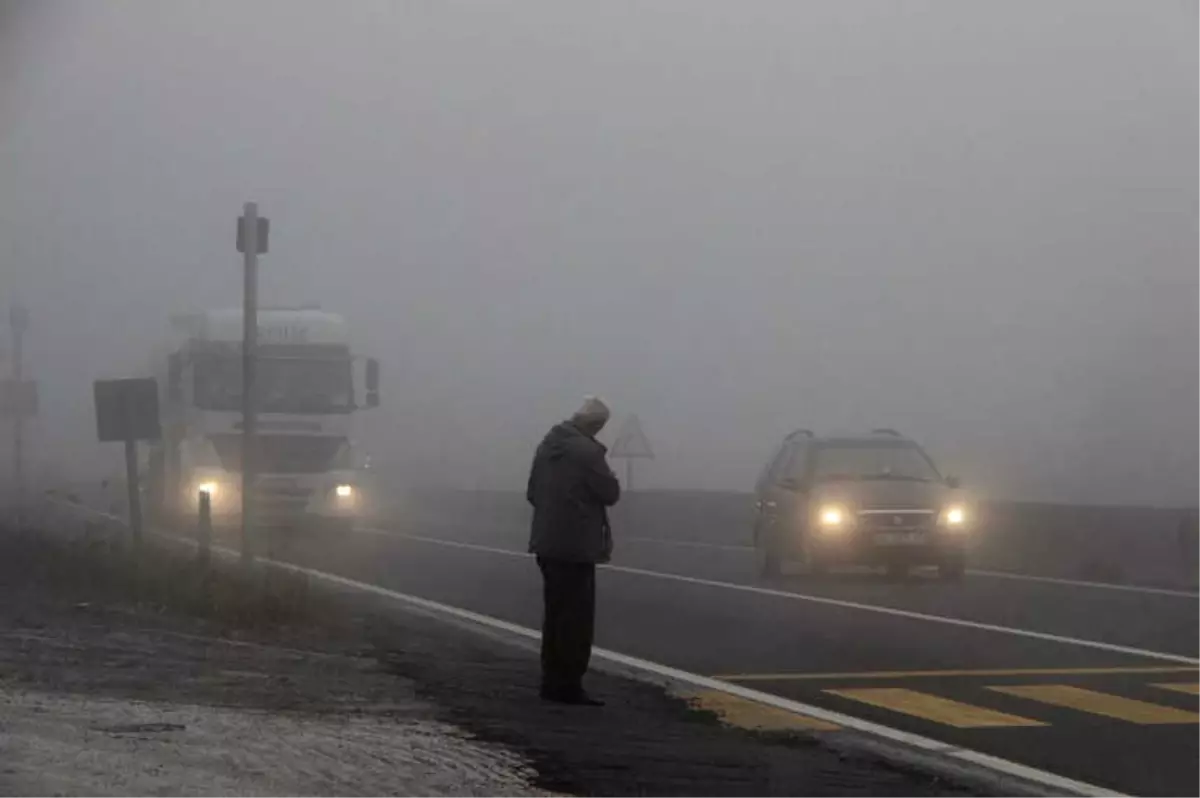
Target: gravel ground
[[102, 696], [337, 695], [55, 744]]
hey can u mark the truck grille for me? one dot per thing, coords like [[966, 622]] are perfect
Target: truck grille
[[277, 491], [281, 454], [282, 497]]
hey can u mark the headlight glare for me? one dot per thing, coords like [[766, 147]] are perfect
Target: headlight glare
[[344, 491], [954, 516], [208, 487], [832, 516]]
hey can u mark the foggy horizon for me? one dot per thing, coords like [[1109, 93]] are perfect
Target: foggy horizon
[[976, 223]]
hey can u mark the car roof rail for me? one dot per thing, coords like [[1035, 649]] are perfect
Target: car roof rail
[[885, 431], [806, 433]]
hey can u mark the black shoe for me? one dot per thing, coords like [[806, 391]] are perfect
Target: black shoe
[[577, 698], [584, 700]]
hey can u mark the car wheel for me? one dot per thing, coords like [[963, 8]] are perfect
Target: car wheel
[[814, 565], [769, 563]]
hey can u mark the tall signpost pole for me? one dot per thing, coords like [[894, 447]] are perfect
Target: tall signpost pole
[[18, 318], [133, 486], [251, 241]]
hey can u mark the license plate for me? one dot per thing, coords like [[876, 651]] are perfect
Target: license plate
[[900, 538]]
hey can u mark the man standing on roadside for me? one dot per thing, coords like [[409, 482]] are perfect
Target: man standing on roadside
[[571, 488]]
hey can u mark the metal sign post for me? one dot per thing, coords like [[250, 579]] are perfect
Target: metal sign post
[[133, 490], [631, 444], [252, 234], [127, 411]]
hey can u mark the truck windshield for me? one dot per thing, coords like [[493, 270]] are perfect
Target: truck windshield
[[285, 384], [873, 462]]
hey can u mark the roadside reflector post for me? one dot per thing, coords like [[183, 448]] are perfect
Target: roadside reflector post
[[204, 530]]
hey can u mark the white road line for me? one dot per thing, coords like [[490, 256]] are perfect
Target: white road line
[[1053, 580], [1157, 591], [764, 591], [995, 765]]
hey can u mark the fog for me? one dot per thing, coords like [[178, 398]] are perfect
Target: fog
[[975, 222]]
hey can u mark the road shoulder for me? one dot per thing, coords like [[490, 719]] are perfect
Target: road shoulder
[[297, 705]]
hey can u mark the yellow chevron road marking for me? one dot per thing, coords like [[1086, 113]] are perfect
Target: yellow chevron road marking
[[1097, 703], [934, 708]]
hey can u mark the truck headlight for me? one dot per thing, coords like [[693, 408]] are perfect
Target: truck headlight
[[954, 516], [832, 518], [344, 491]]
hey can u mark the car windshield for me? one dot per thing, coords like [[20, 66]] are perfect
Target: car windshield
[[285, 384], [873, 462]]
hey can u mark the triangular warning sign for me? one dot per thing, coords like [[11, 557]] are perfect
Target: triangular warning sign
[[631, 441]]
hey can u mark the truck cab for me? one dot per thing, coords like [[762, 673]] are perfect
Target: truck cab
[[310, 386]]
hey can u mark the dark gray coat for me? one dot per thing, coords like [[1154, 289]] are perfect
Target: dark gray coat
[[570, 488]]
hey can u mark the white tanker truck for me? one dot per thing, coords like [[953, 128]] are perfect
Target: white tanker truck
[[310, 386]]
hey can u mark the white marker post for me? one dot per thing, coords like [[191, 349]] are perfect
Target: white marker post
[[251, 241]]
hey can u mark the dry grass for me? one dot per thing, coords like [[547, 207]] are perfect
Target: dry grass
[[159, 576]]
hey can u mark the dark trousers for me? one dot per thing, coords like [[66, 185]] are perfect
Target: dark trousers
[[569, 594]]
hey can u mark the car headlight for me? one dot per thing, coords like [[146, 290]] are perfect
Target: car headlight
[[209, 488], [954, 516], [832, 517], [344, 491]]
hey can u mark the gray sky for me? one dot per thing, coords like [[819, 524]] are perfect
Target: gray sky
[[976, 222]]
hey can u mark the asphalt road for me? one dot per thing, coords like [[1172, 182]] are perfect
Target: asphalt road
[[1092, 683]]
